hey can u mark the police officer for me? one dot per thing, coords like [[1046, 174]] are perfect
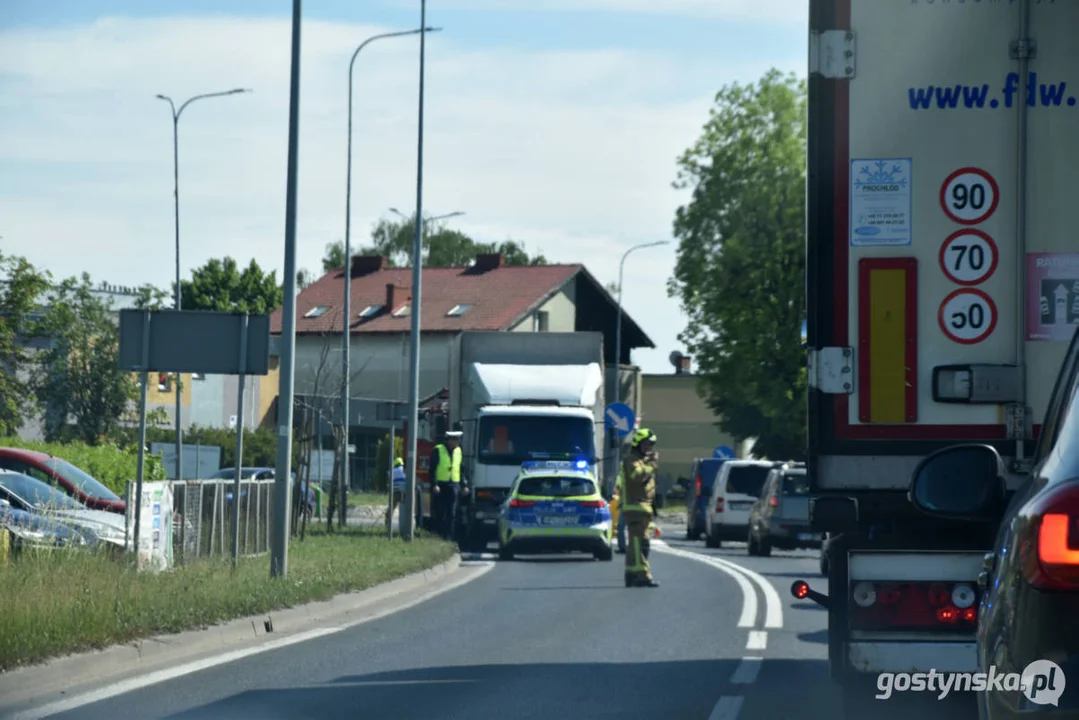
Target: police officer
[[638, 502], [446, 470], [398, 490]]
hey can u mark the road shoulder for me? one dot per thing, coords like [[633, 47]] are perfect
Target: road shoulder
[[84, 672]]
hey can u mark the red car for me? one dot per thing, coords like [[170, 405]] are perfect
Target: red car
[[64, 476]]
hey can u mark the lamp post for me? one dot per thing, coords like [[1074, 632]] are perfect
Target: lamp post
[[618, 340], [436, 218], [346, 335], [176, 211]]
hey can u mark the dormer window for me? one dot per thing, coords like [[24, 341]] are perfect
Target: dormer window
[[370, 311], [458, 310], [318, 311]]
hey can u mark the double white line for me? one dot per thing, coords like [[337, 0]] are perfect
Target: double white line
[[728, 707]]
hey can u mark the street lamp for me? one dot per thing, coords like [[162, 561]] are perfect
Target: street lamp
[[618, 340], [406, 218], [176, 204], [346, 335]]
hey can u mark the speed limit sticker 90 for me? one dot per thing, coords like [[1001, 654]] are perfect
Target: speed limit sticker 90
[[968, 257], [969, 196], [967, 316]]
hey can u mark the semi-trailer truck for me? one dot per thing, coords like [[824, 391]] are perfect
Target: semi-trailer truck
[[942, 284]]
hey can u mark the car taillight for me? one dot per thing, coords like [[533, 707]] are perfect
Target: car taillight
[[1049, 548], [591, 503], [484, 494], [515, 503], [773, 501], [913, 606], [719, 504], [698, 486]]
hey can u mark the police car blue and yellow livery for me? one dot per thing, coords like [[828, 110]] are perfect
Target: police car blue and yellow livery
[[555, 506]]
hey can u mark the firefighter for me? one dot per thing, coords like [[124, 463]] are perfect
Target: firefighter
[[638, 502], [445, 467]]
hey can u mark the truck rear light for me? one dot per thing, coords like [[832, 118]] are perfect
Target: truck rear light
[[773, 501], [913, 606], [515, 503], [484, 494], [591, 503], [698, 487], [719, 505], [1049, 547]]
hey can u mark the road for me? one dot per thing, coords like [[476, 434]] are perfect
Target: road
[[548, 638]]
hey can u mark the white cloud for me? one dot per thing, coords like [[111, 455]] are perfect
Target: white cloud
[[772, 11], [571, 152]]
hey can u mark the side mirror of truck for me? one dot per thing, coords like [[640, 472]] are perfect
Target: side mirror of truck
[[962, 482]]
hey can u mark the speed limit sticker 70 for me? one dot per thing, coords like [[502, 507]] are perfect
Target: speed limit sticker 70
[[969, 196], [968, 257], [967, 316]]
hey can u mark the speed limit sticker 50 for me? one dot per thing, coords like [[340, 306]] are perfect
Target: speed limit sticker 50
[[969, 196], [967, 316]]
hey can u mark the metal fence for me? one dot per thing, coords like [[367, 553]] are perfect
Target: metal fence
[[202, 525]]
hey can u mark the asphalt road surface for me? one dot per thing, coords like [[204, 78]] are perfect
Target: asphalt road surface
[[552, 638]]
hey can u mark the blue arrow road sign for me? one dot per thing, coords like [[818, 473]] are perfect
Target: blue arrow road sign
[[723, 453], [620, 417]]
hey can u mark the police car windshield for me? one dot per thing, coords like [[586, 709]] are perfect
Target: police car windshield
[[556, 487], [513, 439]]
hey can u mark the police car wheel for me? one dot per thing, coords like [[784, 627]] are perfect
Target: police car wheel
[[504, 553], [605, 555]]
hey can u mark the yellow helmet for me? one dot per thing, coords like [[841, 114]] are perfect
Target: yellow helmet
[[398, 463], [643, 434]]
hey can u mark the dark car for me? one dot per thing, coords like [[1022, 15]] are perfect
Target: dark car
[[704, 473], [1030, 583], [780, 517], [63, 476]]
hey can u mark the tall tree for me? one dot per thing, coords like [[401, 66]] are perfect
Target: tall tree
[[220, 285], [740, 269], [21, 288], [77, 379], [442, 247]]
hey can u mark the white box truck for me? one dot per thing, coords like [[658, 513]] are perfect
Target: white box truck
[[942, 286]]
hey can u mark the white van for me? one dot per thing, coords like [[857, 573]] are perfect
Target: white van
[[738, 485]]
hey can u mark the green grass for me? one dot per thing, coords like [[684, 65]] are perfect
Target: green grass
[[359, 499], [59, 602]]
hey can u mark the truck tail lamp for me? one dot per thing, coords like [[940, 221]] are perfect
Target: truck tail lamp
[[1049, 543], [719, 505], [913, 606], [773, 501], [698, 486]]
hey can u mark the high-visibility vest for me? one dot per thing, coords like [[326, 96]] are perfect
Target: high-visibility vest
[[449, 466]]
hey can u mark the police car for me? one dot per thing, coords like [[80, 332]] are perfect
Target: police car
[[554, 506]]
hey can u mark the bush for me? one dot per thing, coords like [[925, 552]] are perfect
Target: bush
[[260, 446], [110, 464]]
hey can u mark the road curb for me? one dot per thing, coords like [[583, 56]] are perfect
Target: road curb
[[59, 674]]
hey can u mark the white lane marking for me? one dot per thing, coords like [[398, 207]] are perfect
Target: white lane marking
[[749, 596], [773, 618], [727, 708], [747, 671], [758, 640], [137, 683]]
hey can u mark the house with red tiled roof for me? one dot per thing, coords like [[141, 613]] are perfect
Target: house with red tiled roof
[[486, 295]]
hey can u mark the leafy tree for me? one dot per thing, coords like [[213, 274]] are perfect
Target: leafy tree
[[21, 288], [740, 269], [442, 247], [152, 298], [77, 377], [220, 285]]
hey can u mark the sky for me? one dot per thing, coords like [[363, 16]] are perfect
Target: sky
[[556, 123]]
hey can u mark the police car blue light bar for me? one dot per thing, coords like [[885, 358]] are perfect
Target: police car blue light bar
[[554, 465]]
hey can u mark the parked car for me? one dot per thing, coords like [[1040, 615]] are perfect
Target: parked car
[[28, 494], [255, 473], [780, 517], [737, 487], [62, 475], [704, 473], [30, 530], [1029, 584]]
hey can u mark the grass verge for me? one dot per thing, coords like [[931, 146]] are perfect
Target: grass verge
[[360, 499], [61, 602]]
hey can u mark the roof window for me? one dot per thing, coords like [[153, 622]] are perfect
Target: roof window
[[370, 311], [458, 310], [403, 311], [317, 311]]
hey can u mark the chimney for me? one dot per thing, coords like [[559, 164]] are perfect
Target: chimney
[[683, 365], [367, 264], [488, 261]]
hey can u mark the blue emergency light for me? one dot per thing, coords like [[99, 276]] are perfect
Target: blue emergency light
[[554, 465]]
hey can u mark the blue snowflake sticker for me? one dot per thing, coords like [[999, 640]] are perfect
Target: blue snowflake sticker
[[880, 202]]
